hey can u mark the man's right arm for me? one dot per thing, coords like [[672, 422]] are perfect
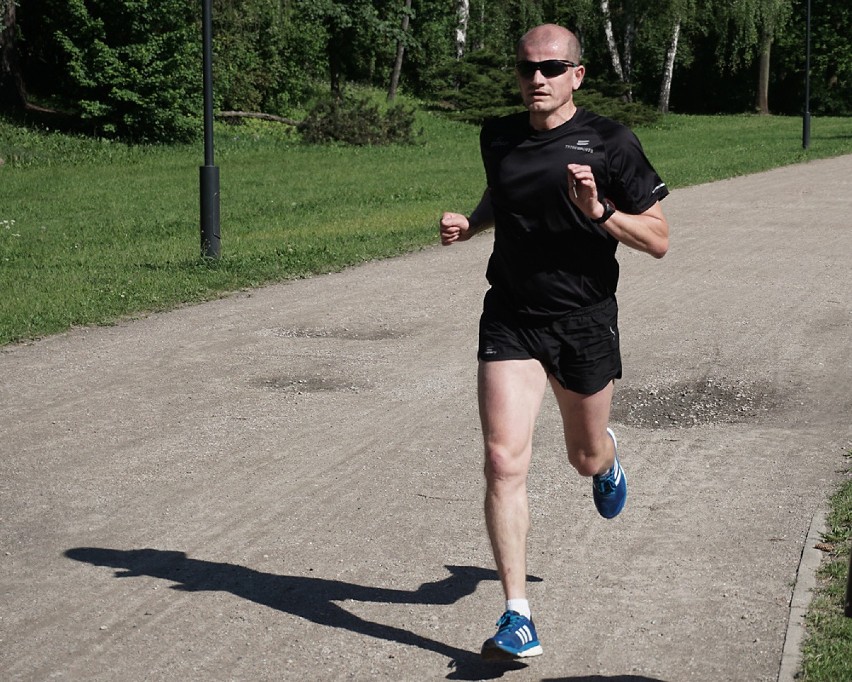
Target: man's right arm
[[456, 227]]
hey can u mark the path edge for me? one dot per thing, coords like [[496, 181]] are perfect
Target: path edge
[[803, 591]]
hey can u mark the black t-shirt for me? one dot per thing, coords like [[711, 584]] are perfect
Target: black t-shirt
[[548, 257]]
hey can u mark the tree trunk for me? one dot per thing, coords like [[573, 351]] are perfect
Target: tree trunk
[[339, 39], [11, 80], [463, 13], [610, 41], [668, 70], [762, 100], [400, 50], [629, 36], [334, 71]]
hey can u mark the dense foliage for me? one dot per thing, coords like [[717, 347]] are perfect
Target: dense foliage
[[125, 67], [266, 57], [132, 68]]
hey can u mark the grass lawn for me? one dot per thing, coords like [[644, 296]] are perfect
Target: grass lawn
[[91, 232]]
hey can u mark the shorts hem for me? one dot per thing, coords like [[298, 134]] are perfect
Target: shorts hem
[[584, 390]]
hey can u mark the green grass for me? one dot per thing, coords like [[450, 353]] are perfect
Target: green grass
[[689, 150], [92, 231], [827, 652]]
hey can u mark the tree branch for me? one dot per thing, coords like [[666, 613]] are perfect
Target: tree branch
[[260, 115]]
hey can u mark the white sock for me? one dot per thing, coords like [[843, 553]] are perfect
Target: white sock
[[521, 606]]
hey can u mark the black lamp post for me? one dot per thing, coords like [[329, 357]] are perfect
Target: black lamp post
[[806, 118], [208, 173]]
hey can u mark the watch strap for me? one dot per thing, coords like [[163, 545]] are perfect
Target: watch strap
[[609, 209]]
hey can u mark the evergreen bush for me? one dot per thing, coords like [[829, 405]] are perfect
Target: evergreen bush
[[133, 66], [484, 87], [357, 120], [631, 114]]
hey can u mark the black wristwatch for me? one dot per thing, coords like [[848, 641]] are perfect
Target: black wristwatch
[[609, 209]]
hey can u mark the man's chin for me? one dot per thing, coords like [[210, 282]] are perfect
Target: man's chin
[[538, 107]]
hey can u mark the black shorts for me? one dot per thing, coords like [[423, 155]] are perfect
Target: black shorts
[[580, 350]]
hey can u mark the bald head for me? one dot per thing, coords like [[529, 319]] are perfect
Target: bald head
[[560, 40]]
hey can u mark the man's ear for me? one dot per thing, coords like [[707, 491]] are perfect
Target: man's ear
[[579, 73]]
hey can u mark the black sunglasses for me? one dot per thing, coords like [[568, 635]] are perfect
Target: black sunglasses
[[549, 68]]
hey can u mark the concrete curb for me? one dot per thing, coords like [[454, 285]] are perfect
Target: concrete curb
[[791, 657]]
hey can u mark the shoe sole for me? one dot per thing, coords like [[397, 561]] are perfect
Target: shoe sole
[[495, 653]]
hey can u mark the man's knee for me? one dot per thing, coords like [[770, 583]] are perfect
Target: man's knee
[[592, 457], [585, 462], [502, 465]]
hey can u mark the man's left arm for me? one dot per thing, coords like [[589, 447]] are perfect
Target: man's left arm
[[647, 231]]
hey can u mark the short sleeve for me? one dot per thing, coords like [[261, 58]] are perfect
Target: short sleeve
[[634, 185]]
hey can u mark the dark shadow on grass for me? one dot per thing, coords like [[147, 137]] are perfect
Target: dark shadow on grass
[[311, 598]]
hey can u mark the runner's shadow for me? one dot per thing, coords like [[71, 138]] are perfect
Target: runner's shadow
[[310, 598]]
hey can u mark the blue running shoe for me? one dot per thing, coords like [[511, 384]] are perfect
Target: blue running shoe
[[610, 489], [515, 638]]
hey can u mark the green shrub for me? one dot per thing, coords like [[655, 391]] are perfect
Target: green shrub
[[359, 121], [131, 68], [485, 87], [631, 114]]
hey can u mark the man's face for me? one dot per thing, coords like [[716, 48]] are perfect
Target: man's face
[[543, 94]]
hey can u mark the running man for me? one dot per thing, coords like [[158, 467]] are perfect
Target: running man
[[564, 187]]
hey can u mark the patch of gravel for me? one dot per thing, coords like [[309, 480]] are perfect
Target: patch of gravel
[[681, 405], [377, 333]]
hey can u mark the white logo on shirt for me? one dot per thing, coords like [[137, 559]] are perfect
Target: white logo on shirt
[[578, 148]]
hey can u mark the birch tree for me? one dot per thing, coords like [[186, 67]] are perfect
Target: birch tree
[[676, 14], [614, 56], [668, 68], [632, 14], [463, 15]]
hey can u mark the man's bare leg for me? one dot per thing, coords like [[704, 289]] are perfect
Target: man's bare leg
[[585, 419], [510, 396], [591, 449]]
